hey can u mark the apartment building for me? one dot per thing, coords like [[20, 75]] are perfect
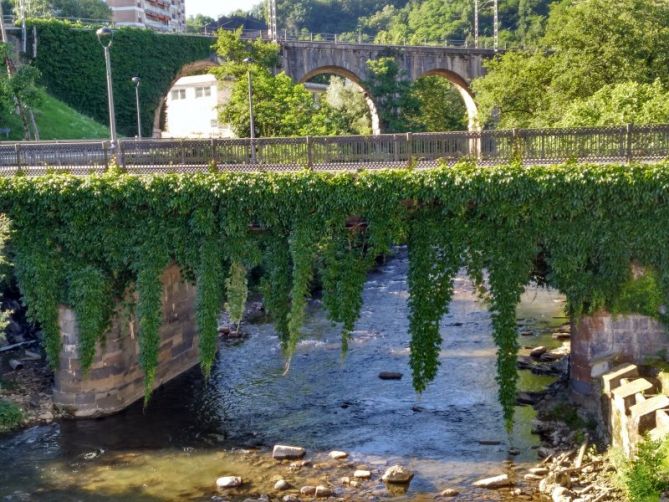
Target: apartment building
[[158, 15]]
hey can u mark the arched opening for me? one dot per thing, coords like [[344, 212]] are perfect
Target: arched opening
[[193, 95], [350, 89], [465, 93]]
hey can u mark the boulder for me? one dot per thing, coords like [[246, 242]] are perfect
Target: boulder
[[228, 482], [397, 474], [362, 474], [308, 490], [283, 452], [500, 481], [323, 491], [449, 492], [338, 455], [281, 485], [390, 375]]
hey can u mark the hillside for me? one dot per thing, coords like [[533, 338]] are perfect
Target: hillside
[[56, 120]]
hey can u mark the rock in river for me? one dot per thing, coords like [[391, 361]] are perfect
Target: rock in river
[[449, 492], [362, 474], [229, 482], [282, 452], [338, 455], [390, 375], [495, 482], [397, 474], [323, 491]]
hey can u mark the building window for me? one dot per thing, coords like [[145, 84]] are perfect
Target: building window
[[201, 92], [178, 94]]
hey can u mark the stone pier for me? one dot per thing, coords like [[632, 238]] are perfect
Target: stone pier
[[115, 379], [602, 341]]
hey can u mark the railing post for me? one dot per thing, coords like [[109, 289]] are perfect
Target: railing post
[[396, 148], [628, 143], [17, 149], [105, 151], [409, 146], [121, 152], [310, 159]]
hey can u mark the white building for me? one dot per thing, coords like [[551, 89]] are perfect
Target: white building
[[193, 107]]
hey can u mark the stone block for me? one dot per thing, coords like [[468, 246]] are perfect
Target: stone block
[[643, 415], [624, 396], [611, 380]]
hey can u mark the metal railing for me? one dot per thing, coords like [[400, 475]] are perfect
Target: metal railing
[[366, 39], [341, 153]]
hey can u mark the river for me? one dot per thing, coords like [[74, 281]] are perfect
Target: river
[[194, 431]]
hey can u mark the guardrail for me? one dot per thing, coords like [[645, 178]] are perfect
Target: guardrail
[[340, 153], [365, 39]]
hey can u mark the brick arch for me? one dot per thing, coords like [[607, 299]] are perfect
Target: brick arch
[[349, 75], [195, 68], [465, 93]]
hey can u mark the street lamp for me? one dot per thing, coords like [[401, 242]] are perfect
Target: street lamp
[[105, 37], [137, 81], [250, 61]]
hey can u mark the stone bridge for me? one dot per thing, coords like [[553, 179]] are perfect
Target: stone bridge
[[303, 61]]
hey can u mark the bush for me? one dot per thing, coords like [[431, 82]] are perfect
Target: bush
[[647, 476], [10, 416]]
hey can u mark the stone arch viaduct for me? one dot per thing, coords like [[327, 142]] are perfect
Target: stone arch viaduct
[[303, 61]]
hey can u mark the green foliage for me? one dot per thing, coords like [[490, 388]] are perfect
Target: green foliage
[[10, 416], [238, 291], [391, 91], [640, 295], [626, 103], [494, 220], [280, 107], [440, 106], [82, 9], [593, 44], [71, 63], [646, 477]]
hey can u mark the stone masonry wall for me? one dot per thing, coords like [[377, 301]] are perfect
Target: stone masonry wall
[[602, 341], [115, 379]]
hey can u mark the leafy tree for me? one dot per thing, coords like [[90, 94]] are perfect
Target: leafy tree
[[348, 101], [81, 9], [196, 24], [593, 44], [391, 91], [629, 102], [440, 107]]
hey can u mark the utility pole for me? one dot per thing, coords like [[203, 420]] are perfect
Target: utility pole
[[476, 24], [271, 15], [496, 25]]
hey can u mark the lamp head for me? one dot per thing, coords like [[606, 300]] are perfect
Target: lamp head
[[136, 81], [248, 60], [105, 36]]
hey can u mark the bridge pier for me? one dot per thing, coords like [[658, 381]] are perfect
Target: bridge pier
[[602, 341], [115, 379]]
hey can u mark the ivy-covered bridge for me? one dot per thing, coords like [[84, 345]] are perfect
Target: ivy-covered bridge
[[146, 262]]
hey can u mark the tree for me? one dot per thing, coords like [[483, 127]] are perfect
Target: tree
[[281, 107], [391, 92], [440, 106], [196, 24], [593, 43], [82, 9], [629, 102], [346, 99]]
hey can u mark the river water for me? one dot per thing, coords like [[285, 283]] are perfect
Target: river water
[[195, 431]]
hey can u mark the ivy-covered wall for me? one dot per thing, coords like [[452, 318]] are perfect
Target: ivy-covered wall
[[84, 240], [72, 64]]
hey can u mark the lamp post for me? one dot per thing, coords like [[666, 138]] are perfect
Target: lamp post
[[137, 81], [105, 37], [249, 61]]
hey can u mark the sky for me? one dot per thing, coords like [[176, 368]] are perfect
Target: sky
[[215, 8]]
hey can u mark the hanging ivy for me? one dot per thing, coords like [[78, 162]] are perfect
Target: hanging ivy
[[82, 241]]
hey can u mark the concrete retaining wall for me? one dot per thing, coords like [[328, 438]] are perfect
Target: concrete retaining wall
[[115, 379]]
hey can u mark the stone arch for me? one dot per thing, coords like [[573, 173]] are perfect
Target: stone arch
[[349, 75], [195, 68], [465, 92]]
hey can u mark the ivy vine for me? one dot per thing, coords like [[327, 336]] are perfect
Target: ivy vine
[[83, 241]]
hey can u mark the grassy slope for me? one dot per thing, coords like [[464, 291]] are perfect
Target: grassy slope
[[56, 120]]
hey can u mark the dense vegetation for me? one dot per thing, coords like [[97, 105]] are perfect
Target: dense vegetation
[[81, 9], [646, 477], [72, 68], [608, 62], [501, 220]]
